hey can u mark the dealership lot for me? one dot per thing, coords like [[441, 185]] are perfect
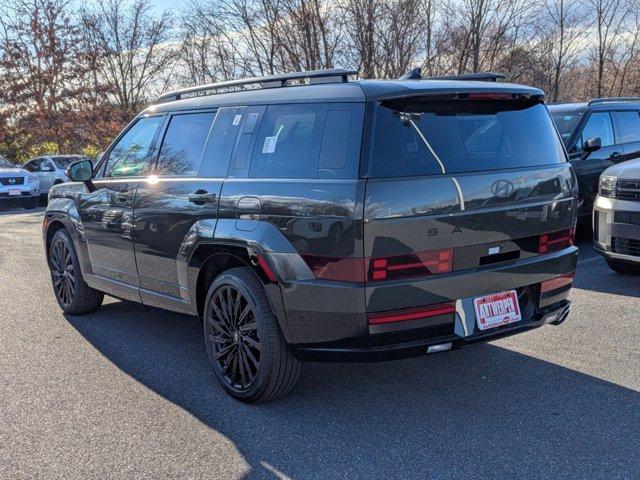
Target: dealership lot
[[128, 392]]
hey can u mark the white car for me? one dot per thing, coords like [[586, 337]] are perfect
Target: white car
[[18, 184], [51, 169]]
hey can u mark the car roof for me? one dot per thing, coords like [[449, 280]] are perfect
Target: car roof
[[568, 107], [345, 92]]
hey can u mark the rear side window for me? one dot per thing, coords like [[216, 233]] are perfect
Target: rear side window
[[288, 142], [130, 156], [461, 136], [627, 126], [181, 150], [598, 125]]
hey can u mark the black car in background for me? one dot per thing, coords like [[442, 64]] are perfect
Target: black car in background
[[597, 134], [309, 217]]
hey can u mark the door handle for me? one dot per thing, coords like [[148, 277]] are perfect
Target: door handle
[[201, 197], [615, 157], [122, 197]]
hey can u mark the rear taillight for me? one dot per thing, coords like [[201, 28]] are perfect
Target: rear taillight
[[554, 241], [410, 265], [411, 314], [340, 269], [381, 268], [558, 282]]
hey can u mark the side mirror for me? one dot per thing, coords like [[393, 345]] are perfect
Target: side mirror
[[47, 169], [592, 145], [81, 171]]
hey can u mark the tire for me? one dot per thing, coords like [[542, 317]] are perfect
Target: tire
[[73, 294], [31, 203], [237, 317], [623, 268]]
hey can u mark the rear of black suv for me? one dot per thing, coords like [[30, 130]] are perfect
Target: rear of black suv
[[333, 220], [468, 216]]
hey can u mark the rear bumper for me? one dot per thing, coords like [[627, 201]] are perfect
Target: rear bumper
[[328, 320], [418, 346]]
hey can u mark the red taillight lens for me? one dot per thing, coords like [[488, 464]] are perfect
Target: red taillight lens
[[340, 269], [558, 282], [411, 265], [266, 268], [411, 314], [554, 241]]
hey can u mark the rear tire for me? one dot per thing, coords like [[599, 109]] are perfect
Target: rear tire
[[73, 294], [246, 349], [31, 203], [623, 267]]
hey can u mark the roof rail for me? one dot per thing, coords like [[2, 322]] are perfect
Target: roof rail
[[268, 81], [479, 76], [614, 99]]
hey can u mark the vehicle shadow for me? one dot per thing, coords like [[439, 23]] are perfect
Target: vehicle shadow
[[480, 412]]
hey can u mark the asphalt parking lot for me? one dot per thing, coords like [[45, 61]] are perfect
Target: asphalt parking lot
[[127, 392]]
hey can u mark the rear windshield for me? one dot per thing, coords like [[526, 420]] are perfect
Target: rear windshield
[[566, 122], [431, 138]]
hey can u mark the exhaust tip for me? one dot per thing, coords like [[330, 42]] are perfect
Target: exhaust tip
[[443, 347]]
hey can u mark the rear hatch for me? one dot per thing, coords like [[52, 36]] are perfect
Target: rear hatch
[[461, 183]]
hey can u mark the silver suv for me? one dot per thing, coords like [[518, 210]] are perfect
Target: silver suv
[[51, 169], [16, 183], [616, 217]]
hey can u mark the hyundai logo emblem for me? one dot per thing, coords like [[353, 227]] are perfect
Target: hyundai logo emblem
[[502, 188], [12, 181]]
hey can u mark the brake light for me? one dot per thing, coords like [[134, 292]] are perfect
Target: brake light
[[558, 282], [554, 241], [411, 265], [411, 314], [490, 96]]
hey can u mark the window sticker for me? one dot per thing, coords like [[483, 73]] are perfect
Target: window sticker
[[269, 144], [236, 119]]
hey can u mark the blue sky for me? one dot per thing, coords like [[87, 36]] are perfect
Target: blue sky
[[161, 5]]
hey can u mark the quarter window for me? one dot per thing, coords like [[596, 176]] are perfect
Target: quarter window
[[288, 142], [181, 150], [130, 156], [627, 126], [598, 125]]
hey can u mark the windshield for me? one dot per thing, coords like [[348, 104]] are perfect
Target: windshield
[[63, 162], [461, 136], [5, 164], [566, 122]]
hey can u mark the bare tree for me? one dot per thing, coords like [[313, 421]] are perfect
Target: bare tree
[[133, 49]]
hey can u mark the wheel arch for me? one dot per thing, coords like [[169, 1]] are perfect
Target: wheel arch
[[209, 260]]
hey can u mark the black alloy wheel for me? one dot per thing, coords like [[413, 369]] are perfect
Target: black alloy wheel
[[245, 346], [233, 337], [62, 270], [72, 293]]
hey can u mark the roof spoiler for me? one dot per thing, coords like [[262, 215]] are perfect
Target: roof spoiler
[[336, 75], [415, 74]]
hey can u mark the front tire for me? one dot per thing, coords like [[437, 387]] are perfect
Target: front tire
[[623, 267], [246, 349], [31, 203], [73, 294]]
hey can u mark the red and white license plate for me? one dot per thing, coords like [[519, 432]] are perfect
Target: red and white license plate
[[15, 192], [497, 309]]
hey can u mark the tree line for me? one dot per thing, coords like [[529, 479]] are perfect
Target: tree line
[[71, 78]]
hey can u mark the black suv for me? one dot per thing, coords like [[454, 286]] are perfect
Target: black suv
[[308, 217], [598, 134]]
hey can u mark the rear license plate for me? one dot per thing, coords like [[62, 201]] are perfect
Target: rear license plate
[[497, 309], [15, 193]]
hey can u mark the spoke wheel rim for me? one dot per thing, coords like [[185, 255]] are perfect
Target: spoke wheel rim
[[62, 272], [232, 336]]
